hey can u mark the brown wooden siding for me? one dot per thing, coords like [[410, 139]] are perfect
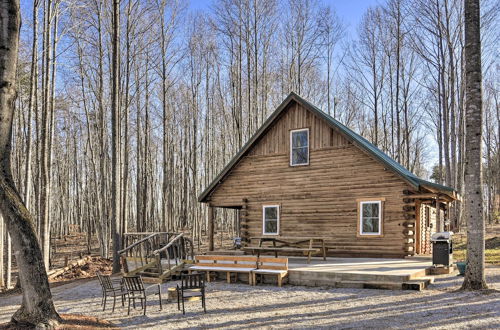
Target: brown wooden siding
[[277, 139], [428, 225], [319, 199]]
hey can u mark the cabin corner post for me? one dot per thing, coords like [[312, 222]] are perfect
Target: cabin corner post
[[210, 227], [244, 221]]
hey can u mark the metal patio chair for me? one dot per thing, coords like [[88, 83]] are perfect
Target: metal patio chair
[[192, 286], [136, 290], [109, 289]]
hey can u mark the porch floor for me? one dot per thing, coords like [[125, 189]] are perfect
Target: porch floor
[[359, 272]]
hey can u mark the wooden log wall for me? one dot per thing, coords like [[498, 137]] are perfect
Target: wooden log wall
[[319, 199], [429, 227], [419, 206], [277, 139], [411, 210]]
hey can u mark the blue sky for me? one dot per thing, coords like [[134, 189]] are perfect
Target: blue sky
[[350, 11]]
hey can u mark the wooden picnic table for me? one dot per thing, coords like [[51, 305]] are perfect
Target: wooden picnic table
[[288, 244]]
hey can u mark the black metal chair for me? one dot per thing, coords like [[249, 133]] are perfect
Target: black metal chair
[[109, 289], [136, 290], [192, 286]]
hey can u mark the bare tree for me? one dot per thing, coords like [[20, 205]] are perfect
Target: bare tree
[[116, 139], [301, 36], [474, 274], [367, 67], [331, 29], [37, 307], [45, 150]]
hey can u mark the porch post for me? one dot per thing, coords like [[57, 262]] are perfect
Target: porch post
[[417, 242], [448, 217], [238, 222], [440, 226], [210, 227]]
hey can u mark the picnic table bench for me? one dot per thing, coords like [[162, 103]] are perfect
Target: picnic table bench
[[288, 244]]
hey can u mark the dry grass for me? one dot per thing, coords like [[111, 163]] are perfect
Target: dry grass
[[492, 246], [492, 256]]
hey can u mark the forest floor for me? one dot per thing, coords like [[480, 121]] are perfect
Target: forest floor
[[266, 306], [239, 305]]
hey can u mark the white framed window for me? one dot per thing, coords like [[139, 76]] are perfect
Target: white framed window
[[370, 218], [270, 219], [299, 147]]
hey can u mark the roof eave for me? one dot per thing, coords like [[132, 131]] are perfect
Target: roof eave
[[441, 189]]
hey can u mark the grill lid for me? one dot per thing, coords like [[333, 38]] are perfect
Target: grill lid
[[442, 236]]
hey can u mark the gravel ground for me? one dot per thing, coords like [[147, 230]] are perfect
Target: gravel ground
[[265, 306]]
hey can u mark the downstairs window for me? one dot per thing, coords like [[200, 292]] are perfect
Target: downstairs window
[[370, 218], [270, 219]]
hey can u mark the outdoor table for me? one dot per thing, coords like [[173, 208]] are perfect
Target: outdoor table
[[288, 244]]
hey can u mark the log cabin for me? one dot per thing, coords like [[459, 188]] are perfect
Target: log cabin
[[304, 174]]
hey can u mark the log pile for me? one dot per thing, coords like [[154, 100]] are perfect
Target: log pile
[[81, 268]]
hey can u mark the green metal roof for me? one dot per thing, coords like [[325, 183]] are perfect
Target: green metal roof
[[355, 138]]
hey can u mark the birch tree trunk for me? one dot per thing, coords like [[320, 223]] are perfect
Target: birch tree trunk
[[37, 307], [474, 275], [45, 139]]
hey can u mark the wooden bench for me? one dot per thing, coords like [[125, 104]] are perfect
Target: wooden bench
[[225, 264], [271, 266]]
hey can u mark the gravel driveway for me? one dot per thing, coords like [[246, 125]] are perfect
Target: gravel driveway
[[264, 306]]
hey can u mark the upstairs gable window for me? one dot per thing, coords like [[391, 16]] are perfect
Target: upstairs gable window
[[299, 147]]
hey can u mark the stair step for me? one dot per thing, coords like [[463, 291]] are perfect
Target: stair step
[[430, 278], [417, 285], [298, 276], [152, 280], [420, 274], [149, 274], [369, 285], [442, 270]]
